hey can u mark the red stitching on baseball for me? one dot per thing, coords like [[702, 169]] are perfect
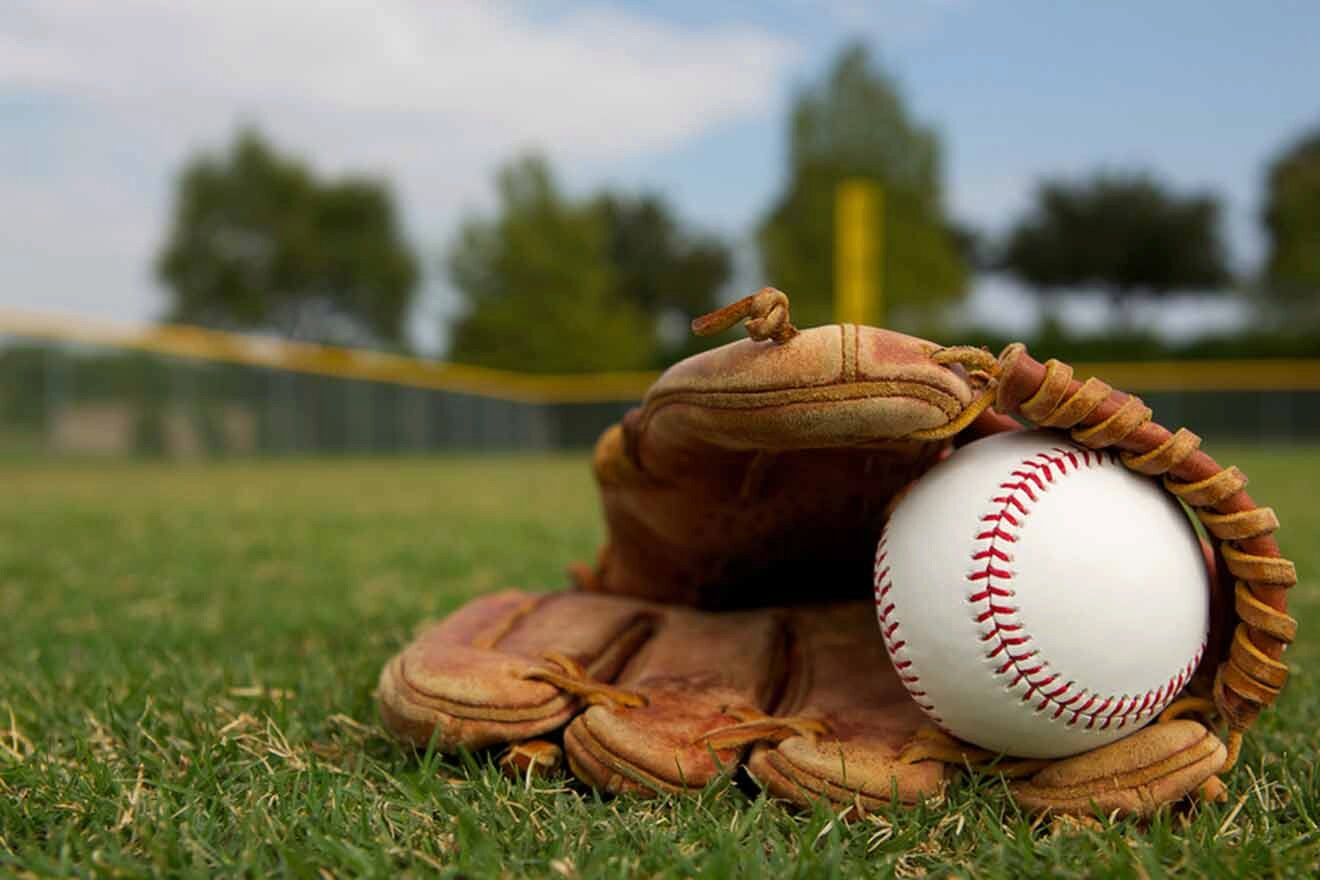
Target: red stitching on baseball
[[892, 645], [1126, 709], [1037, 676]]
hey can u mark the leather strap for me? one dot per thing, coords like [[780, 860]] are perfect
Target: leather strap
[[1251, 673]]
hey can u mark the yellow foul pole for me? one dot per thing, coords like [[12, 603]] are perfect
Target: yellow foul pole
[[859, 252]]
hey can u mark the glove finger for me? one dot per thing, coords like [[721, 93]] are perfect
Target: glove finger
[[842, 676], [1134, 776], [699, 673], [465, 682], [828, 387]]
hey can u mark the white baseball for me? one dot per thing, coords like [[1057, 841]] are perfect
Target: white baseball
[[1038, 598]]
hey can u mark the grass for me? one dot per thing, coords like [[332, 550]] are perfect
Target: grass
[[189, 654]]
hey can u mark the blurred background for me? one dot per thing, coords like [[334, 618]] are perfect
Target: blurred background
[[394, 226]]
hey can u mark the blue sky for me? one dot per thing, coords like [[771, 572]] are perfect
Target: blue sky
[[101, 103], [1201, 93]]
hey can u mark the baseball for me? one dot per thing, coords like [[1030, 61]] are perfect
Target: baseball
[[1039, 599]]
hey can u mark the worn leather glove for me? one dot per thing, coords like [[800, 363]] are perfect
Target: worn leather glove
[[752, 484]]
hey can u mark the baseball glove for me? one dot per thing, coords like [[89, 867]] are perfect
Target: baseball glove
[[727, 621]]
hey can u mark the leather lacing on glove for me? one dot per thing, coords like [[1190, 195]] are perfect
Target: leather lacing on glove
[[753, 724], [1099, 417], [574, 679]]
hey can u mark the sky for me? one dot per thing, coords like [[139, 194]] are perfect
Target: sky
[[102, 103]]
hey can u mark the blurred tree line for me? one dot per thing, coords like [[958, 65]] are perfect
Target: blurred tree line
[[1125, 235], [258, 241], [854, 125], [557, 285], [551, 282]]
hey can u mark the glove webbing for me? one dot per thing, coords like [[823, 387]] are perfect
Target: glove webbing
[[1099, 417]]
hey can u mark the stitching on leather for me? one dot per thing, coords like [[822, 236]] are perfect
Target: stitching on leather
[[832, 391], [1006, 638], [847, 356], [855, 356]]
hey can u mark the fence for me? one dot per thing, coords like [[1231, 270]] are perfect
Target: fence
[[79, 387]]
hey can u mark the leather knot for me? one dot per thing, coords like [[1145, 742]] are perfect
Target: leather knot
[[766, 314]]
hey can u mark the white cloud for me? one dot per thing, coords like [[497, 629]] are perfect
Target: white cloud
[[433, 94], [594, 83]]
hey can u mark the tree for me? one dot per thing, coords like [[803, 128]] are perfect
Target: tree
[[540, 285], [259, 242], [1292, 220], [1125, 234], [854, 125], [664, 270]]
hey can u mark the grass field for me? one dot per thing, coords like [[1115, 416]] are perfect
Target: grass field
[[189, 654]]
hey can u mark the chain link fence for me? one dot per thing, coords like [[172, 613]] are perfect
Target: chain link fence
[[77, 399], [84, 401]]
